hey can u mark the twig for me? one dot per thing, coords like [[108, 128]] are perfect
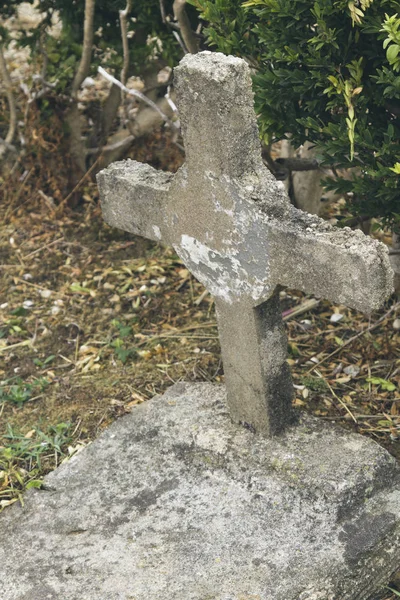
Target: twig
[[355, 337], [40, 287], [44, 90], [35, 398], [43, 52], [163, 336], [282, 167], [123, 19], [198, 326], [77, 427], [10, 210], [24, 343], [188, 36], [200, 299], [42, 248], [14, 266], [298, 164], [172, 104], [10, 97], [337, 397], [179, 40], [111, 147], [359, 220], [78, 185], [299, 310]]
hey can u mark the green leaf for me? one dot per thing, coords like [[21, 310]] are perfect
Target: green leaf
[[383, 383], [253, 3], [19, 312], [49, 359], [34, 483], [123, 354], [392, 52], [117, 343], [125, 331], [75, 287]]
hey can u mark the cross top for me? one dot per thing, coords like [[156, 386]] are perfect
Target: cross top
[[234, 228]]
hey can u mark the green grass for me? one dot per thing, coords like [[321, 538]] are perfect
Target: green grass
[[18, 392], [26, 458]]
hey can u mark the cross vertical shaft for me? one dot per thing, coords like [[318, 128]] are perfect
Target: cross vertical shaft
[[254, 350]]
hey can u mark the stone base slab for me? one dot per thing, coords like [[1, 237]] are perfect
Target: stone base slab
[[175, 502]]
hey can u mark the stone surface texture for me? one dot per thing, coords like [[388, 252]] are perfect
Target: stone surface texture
[[231, 223], [176, 502]]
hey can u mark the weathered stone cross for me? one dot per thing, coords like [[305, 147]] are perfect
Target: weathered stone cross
[[233, 227]]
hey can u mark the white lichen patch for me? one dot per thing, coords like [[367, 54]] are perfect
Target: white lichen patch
[[157, 232], [211, 440], [221, 273]]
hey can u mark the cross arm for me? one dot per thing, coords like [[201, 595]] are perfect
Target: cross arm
[[134, 197], [341, 265]]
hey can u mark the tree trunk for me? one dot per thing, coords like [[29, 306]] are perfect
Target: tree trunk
[[395, 261], [304, 187]]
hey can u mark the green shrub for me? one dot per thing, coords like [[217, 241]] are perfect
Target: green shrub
[[327, 72]]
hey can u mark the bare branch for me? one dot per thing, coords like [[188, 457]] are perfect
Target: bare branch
[[162, 10], [172, 104], [125, 143], [282, 167], [137, 94], [180, 41], [78, 185], [76, 145], [298, 164], [358, 220], [42, 49], [188, 35], [84, 64], [105, 120], [123, 19], [73, 116], [12, 127]]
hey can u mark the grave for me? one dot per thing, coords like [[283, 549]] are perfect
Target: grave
[[232, 225], [206, 493]]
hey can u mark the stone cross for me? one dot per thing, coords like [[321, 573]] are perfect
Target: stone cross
[[232, 225]]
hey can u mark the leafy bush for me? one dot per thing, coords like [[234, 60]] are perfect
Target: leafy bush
[[326, 72]]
